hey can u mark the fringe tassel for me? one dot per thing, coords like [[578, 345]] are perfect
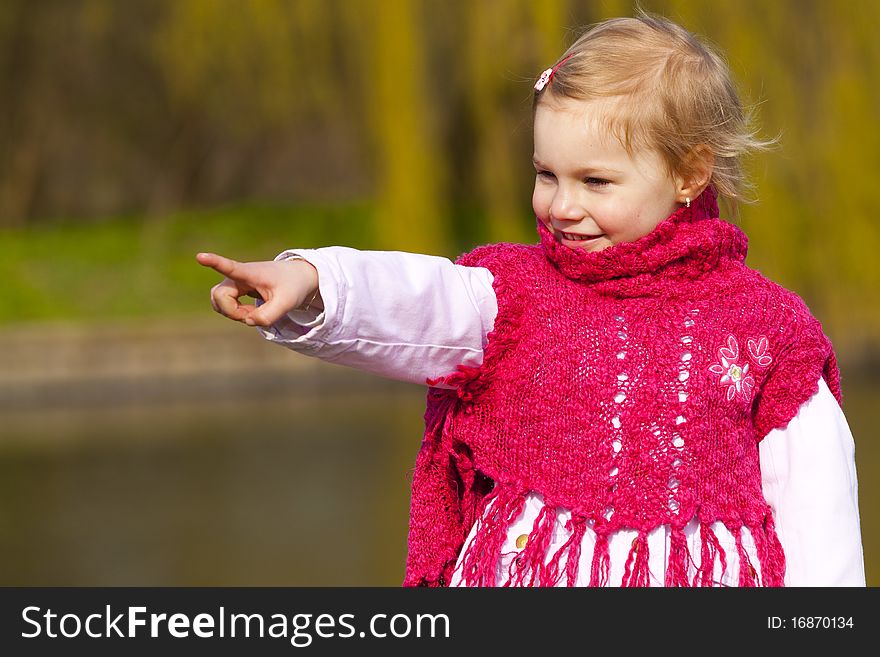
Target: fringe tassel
[[709, 550], [601, 561], [530, 561], [551, 575], [747, 575], [578, 527], [636, 571], [770, 553], [676, 567], [480, 560]]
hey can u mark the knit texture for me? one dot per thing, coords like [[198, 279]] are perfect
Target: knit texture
[[631, 386]]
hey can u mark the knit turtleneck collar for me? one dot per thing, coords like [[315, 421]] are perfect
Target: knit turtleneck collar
[[685, 245]]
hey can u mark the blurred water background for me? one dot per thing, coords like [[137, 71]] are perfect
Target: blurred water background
[[146, 441]]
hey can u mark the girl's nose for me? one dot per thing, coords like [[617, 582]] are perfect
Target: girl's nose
[[564, 206]]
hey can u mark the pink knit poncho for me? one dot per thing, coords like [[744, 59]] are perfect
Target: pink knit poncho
[[631, 386]]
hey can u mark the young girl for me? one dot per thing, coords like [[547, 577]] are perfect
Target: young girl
[[624, 402]]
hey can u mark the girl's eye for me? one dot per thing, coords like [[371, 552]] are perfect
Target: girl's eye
[[546, 174], [596, 182]]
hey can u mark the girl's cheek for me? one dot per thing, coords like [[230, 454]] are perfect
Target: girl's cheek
[[540, 205]]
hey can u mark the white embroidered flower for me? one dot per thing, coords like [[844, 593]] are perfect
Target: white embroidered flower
[[734, 376]]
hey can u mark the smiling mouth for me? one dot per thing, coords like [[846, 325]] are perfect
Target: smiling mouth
[[576, 238]]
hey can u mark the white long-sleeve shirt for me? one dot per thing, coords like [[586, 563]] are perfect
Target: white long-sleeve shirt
[[412, 317]]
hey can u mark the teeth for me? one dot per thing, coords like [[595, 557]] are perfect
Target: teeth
[[578, 238]]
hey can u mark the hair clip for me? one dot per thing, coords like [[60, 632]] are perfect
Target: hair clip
[[544, 79], [547, 75]]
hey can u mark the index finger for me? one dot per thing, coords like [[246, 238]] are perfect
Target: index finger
[[218, 263]]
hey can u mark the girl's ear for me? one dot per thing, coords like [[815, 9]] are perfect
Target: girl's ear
[[696, 173]]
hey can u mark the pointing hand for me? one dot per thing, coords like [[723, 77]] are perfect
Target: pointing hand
[[281, 285]]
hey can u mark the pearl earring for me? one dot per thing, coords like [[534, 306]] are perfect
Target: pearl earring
[[687, 201]]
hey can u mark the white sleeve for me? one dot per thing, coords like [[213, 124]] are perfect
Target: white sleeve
[[809, 479], [405, 316]]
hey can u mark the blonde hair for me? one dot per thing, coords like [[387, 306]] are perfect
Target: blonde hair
[[671, 93]]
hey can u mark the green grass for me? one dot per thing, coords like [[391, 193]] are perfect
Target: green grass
[[138, 267]]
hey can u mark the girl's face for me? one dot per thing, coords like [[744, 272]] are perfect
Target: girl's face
[[588, 185]]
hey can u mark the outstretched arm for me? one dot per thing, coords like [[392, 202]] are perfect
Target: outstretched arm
[[401, 315]]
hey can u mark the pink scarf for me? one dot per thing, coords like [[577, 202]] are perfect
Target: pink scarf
[[631, 386]]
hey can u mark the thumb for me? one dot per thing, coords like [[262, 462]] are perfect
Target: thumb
[[266, 314]]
